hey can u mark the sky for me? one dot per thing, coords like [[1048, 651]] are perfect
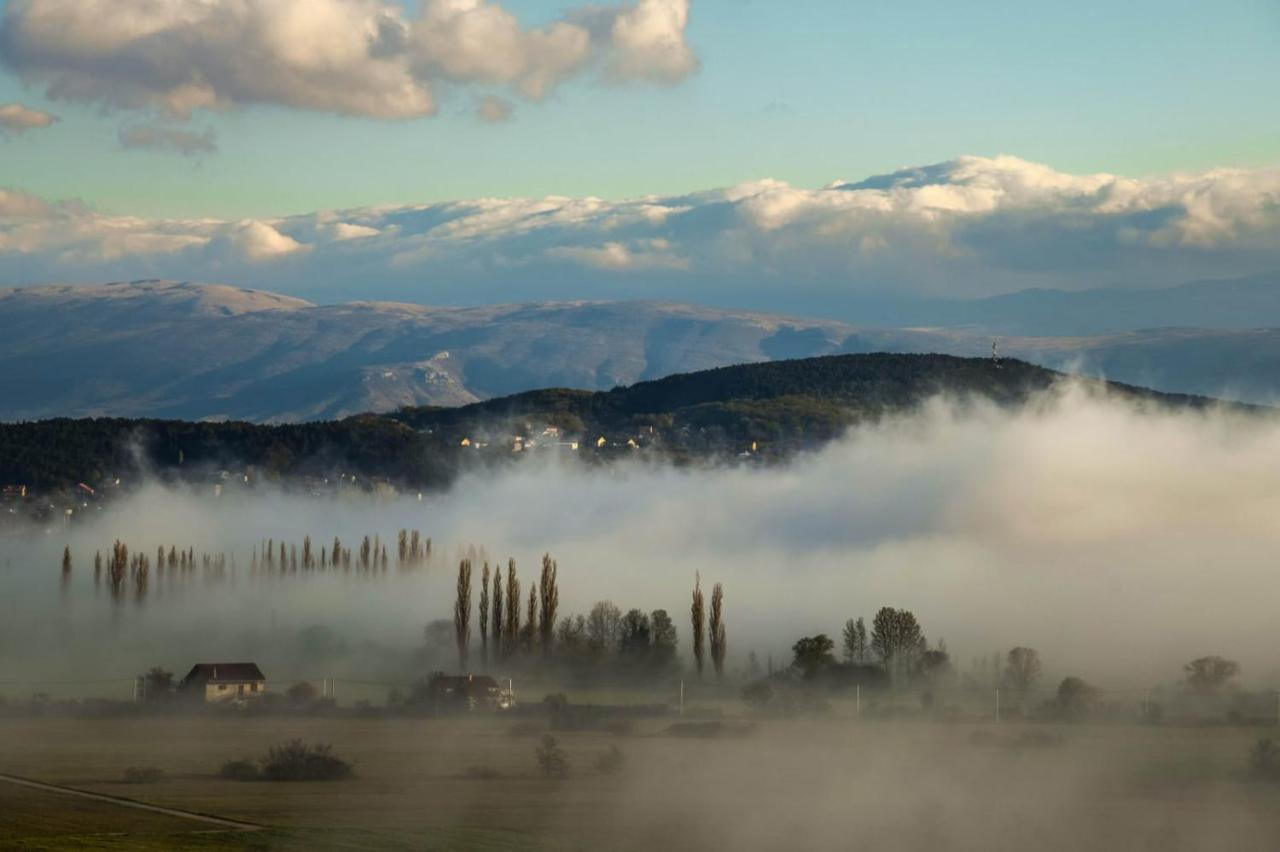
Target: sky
[[130, 111]]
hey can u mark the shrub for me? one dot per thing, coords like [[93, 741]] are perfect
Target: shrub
[[551, 758], [297, 761], [482, 772], [611, 762], [240, 770], [1264, 758], [301, 693], [143, 775]]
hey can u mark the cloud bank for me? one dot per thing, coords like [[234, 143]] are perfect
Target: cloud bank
[[967, 227], [367, 58], [1119, 541]]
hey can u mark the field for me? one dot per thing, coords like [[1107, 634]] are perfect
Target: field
[[793, 784]]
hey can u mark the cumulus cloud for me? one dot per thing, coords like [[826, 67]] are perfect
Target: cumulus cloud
[[972, 226], [354, 57], [258, 241], [157, 138], [16, 118], [648, 40]]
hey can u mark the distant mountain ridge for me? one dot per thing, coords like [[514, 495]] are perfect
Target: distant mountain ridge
[[204, 351]]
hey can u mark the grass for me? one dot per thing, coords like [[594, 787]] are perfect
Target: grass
[[805, 784]]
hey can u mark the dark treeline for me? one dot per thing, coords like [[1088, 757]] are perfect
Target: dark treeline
[[781, 405]]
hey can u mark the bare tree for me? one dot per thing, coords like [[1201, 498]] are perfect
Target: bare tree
[[896, 638], [697, 615], [855, 641], [1208, 675], [715, 630], [462, 612], [550, 593], [604, 624], [484, 616], [1022, 668]]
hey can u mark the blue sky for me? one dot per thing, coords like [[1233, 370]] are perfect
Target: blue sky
[[806, 92]]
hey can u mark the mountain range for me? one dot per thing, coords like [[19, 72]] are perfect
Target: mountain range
[[205, 351]]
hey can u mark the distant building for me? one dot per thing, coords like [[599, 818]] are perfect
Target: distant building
[[13, 492], [469, 692], [216, 682]]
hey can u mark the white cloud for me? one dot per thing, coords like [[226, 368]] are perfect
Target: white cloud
[[340, 231], [968, 227], [259, 241], [16, 118], [648, 42], [647, 254], [354, 57]]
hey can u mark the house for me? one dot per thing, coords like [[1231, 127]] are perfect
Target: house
[[224, 682], [469, 692], [13, 492]]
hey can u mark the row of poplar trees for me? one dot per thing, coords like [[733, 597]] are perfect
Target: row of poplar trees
[[499, 612]]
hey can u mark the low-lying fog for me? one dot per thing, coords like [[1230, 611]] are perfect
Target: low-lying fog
[[1119, 542]]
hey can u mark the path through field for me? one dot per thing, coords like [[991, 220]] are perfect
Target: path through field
[[129, 803]]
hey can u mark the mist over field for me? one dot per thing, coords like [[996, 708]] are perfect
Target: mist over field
[[1119, 541]]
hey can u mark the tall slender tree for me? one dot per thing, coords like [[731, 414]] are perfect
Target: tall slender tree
[[697, 615], [497, 613], [66, 560], [484, 616], [512, 628], [529, 637], [716, 630], [462, 613], [550, 603]]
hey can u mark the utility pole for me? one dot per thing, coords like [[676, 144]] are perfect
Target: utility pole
[[997, 704], [682, 697]]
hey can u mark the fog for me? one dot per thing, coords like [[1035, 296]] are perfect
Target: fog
[[1119, 541]]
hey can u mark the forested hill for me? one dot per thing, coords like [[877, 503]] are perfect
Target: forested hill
[[756, 411]]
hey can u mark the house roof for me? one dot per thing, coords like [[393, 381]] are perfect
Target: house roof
[[224, 673]]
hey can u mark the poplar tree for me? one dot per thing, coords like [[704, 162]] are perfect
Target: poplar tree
[[550, 602], [497, 613], [697, 615], [484, 616], [66, 560], [512, 629], [462, 612], [716, 630], [531, 620]]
